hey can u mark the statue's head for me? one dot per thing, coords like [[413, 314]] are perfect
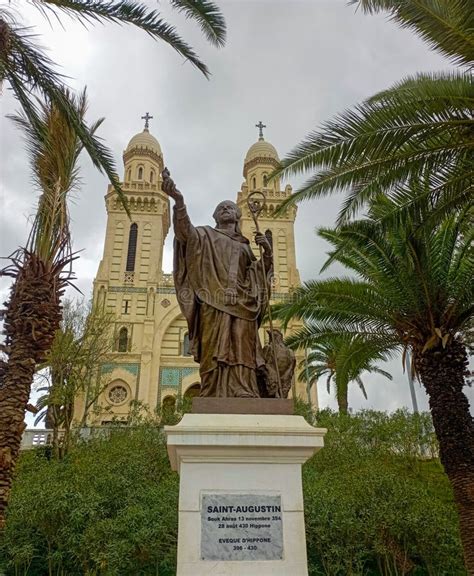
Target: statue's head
[[227, 211]]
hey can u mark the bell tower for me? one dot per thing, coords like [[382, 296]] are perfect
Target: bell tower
[[260, 161], [131, 270], [133, 250]]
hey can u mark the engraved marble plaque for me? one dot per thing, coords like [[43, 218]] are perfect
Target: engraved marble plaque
[[241, 527]]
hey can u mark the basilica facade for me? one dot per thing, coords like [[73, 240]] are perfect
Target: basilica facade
[[150, 362]]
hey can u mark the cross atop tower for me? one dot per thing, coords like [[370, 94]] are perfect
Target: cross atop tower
[[260, 127], [147, 117]]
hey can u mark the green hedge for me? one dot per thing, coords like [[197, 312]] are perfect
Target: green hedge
[[376, 502], [109, 508]]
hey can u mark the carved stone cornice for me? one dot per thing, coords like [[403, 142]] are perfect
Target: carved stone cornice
[[259, 160], [143, 152]]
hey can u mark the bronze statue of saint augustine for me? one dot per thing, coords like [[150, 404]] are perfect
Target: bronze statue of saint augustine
[[219, 286]]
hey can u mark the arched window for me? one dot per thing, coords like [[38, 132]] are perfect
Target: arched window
[[123, 340], [152, 176], [129, 174], [193, 390], [140, 173], [186, 349], [265, 180], [254, 182], [132, 248]]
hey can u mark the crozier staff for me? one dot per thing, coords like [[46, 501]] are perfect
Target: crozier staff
[[219, 286]]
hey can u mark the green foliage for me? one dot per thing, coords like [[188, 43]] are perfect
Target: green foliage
[[81, 346], [412, 287], [373, 495], [110, 507], [53, 148], [412, 141], [373, 505], [446, 25], [341, 360]]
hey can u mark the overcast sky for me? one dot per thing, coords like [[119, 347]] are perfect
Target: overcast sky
[[292, 64]]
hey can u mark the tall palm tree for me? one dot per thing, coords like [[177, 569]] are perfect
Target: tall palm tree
[[340, 359], [415, 139], [28, 71], [40, 271], [413, 290]]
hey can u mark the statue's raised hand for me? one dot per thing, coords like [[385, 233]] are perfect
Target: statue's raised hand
[[169, 187]]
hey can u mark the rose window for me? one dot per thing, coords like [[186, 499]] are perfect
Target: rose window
[[118, 394]]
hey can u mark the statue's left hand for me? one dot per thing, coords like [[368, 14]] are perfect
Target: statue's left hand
[[262, 241]]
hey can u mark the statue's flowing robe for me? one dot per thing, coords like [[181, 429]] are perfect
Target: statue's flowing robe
[[221, 291]]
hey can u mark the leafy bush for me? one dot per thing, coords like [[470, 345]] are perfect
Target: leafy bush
[[376, 503], [375, 500], [110, 507]]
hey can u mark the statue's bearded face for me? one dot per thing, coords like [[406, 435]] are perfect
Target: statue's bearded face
[[226, 212]]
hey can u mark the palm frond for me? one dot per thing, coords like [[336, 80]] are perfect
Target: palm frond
[[25, 67], [54, 147], [41, 416], [361, 386], [328, 382], [208, 16], [384, 373], [139, 15], [445, 25], [420, 128]]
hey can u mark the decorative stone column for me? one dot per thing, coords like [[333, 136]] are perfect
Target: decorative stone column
[[241, 497]]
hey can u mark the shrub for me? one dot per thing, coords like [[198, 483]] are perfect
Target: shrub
[[110, 507], [375, 500]]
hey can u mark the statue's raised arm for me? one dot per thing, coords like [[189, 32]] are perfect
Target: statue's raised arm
[[169, 188], [183, 227]]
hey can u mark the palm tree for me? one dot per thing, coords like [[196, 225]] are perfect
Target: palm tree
[[40, 271], [28, 71], [412, 290], [417, 136], [340, 359]]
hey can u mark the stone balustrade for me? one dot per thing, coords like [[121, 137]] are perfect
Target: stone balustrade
[[32, 438], [167, 280]]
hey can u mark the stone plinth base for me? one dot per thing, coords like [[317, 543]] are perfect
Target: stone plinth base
[[242, 405], [241, 498]]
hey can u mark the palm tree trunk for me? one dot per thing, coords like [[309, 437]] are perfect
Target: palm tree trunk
[[342, 401], [31, 317], [442, 372]]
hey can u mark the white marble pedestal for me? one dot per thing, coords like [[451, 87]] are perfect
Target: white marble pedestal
[[233, 459]]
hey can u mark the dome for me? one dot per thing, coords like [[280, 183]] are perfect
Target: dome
[[261, 149], [144, 140]]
